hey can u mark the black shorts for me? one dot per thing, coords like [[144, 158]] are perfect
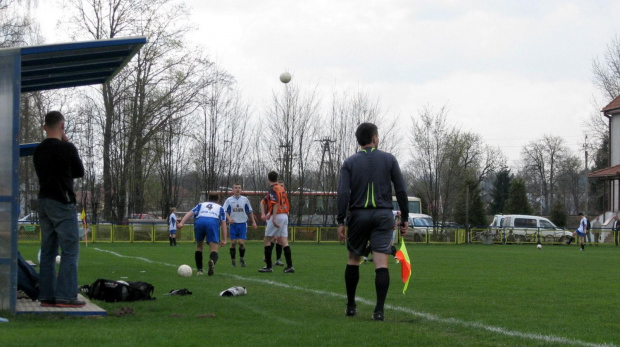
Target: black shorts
[[372, 225]]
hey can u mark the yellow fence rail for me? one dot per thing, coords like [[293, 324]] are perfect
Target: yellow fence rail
[[151, 232]]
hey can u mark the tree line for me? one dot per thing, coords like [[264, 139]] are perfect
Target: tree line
[[174, 124]]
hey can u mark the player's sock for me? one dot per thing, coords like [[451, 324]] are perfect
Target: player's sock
[[287, 255], [272, 245], [198, 258], [382, 284], [278, 251], [170, 239], [268, 256], [241, 251], [351, 278], [232, 253], [174, 241], [213, 256]]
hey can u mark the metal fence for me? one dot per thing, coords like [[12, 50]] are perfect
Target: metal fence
[[158, 232]]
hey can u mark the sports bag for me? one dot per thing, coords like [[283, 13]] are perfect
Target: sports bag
[[114, 291]]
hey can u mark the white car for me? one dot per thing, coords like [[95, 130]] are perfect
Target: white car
[[419, 225]]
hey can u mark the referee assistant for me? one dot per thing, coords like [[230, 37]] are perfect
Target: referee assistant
[[365, 189]]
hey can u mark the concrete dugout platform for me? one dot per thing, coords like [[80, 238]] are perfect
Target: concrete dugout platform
[[25, 306]]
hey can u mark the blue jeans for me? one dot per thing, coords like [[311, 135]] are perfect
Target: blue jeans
[[58, 229]]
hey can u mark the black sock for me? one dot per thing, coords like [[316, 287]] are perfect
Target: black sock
[[268, 256], [232, 253], [170, 239], [174, 241], [213, 256], [272, 245], [278, 251], [198, 258], [351, 278], [287, 255], [241, 251], [382, 284]]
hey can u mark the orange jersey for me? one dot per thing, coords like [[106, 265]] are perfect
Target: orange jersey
[[277, 195]]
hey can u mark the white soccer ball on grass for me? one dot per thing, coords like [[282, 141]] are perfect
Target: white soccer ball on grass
[[185, 271], [539, 246]]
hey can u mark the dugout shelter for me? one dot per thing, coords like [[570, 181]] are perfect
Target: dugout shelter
[[36, 68]]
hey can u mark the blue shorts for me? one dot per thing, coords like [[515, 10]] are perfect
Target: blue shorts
[[239, 231], [208, 228], [172, 232], [582, 234]]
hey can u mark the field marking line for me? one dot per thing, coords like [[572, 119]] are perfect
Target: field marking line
[[426, 316]]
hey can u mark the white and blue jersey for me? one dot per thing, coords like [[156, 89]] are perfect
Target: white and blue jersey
[[238, 208], [172, 223], [583, 224], [208, 216]]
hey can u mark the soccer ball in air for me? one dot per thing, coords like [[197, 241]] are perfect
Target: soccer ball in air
[[185, 271], [539, 246], [57, 260], [285, 77]]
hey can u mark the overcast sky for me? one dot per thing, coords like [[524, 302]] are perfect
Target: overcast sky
[[511, 71]]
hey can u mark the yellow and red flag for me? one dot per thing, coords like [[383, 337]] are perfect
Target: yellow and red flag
[[405, 264], [83, 216]]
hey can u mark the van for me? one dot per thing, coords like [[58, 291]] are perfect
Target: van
[[524, 228]]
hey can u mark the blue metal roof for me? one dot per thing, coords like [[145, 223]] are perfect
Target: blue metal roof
[[75, 64]]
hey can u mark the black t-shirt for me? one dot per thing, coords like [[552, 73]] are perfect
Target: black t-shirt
[[57, 163]]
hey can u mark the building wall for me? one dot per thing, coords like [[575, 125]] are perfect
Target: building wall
[[615, 140]]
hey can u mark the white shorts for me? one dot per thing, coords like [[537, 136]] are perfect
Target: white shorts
[[282, 231]]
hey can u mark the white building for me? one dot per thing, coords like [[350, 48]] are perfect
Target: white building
[[611, 174]]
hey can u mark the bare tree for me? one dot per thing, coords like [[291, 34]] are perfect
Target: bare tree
[[430, 148], [542, 157]]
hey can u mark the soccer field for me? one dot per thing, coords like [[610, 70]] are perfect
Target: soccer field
[[465, 295]]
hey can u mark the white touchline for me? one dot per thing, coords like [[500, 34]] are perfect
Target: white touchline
[[427, 316]]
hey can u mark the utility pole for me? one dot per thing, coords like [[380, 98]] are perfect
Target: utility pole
[[326, 174]]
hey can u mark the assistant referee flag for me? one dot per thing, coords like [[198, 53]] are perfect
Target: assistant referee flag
[[405, 264]]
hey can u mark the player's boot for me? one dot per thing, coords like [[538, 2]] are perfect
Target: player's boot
[[279, 262], [199, 273], [289, 270], [211, 267], [351, 311], [234, 263], [378, 316], [242, 262], [265, 269]]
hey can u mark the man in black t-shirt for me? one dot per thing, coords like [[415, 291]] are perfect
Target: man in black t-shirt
[[365, 189], [57, 163]]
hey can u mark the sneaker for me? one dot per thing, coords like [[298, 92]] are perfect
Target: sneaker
[[199, 273], [70, 303], [265, 269], [289, 269], [279, 263], [211, 266], [242, 263], [234, 263], [351, 311], [48, 303], [378, 316]]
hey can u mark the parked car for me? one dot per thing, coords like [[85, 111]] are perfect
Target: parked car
[[419, 225], [524, 228]]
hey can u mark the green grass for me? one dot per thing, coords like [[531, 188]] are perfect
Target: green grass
[[458, 296]]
